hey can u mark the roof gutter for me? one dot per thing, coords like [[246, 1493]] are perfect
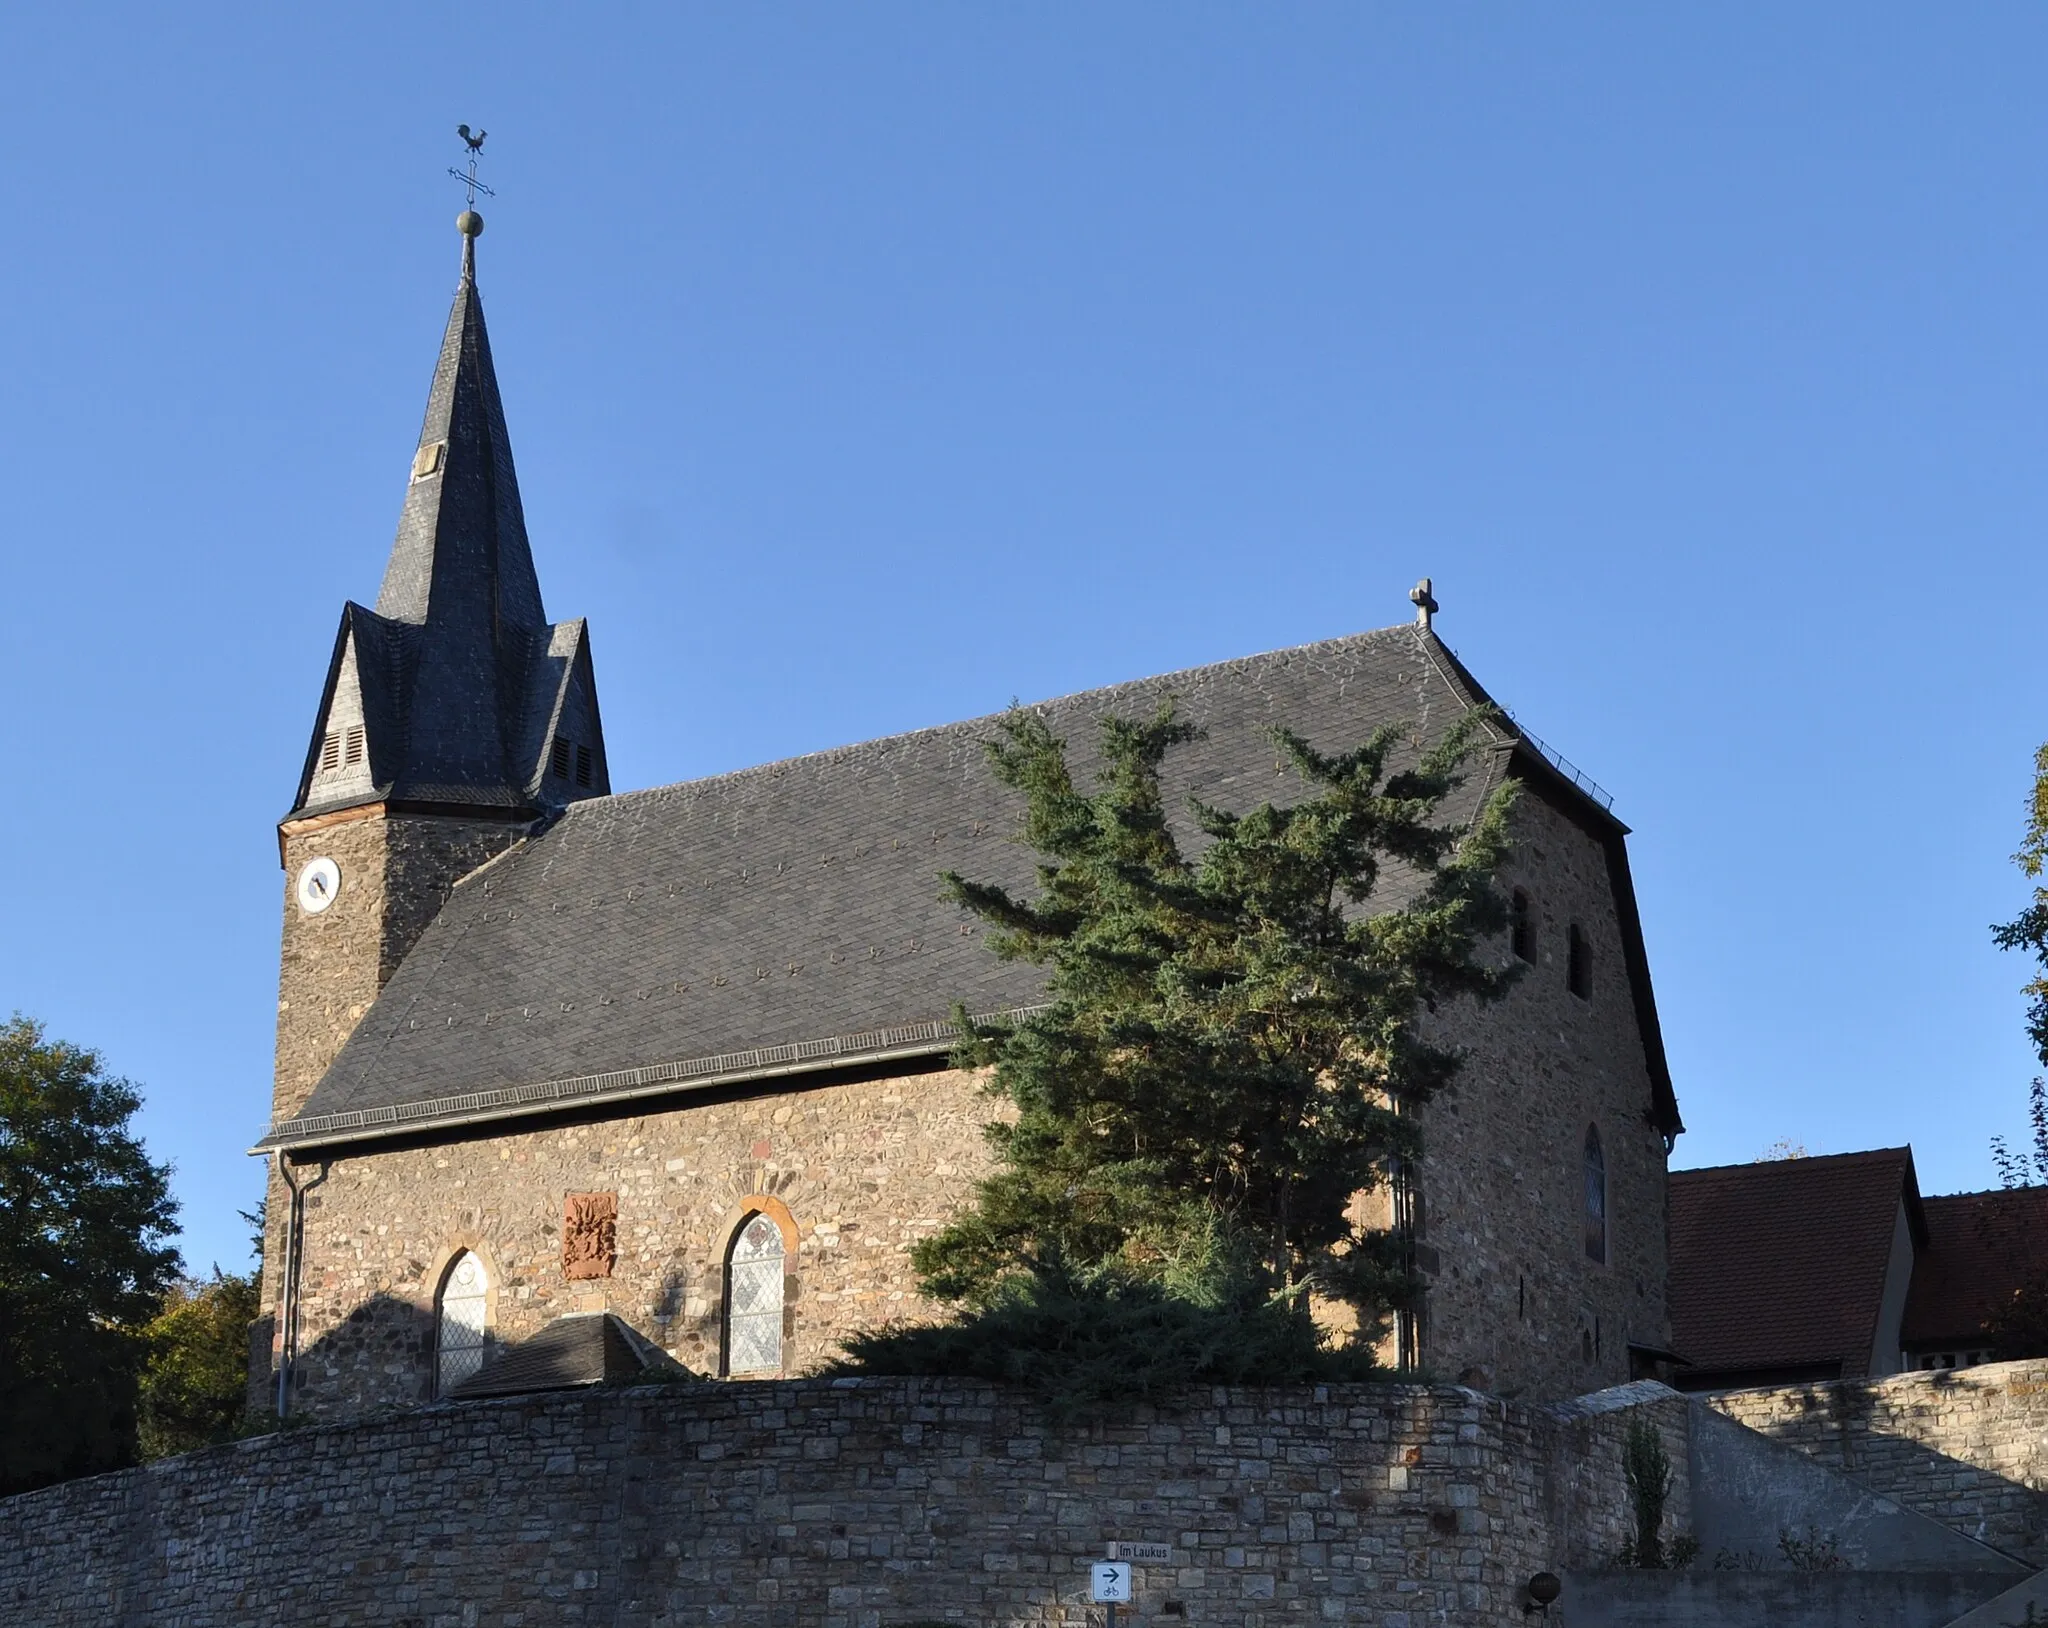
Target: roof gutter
[[513, 1102]]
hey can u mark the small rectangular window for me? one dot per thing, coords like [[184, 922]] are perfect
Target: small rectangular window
[[1579, 963], [558, 759], [330, 752], [582, 765], [1522, 927], [354, 753]]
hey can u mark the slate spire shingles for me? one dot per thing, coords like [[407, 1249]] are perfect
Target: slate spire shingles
[[464, 683]]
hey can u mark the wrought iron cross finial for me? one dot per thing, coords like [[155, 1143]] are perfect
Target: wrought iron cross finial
[[475, 143]]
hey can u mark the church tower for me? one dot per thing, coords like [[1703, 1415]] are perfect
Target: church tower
[[455, 718]]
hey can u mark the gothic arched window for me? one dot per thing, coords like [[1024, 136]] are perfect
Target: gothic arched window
[[460, 1318], [753, 1298], [1596, 1198]]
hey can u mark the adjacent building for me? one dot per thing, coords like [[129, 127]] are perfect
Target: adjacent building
[[1810, 1269]]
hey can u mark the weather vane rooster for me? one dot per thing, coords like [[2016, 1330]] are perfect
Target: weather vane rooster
[[475, 144]]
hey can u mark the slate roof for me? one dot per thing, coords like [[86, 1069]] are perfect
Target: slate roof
[[1781, 1265], [789, 916], [583, 1348], [464, 680], [1981, 1247]]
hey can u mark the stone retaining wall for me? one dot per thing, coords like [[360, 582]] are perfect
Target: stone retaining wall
[[831, 1504], [1582, 1447], [1968, 1447]]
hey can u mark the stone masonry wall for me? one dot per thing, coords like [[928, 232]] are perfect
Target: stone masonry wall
[[821, 1504], [1968, 1447], [1512, 1293], [861, 1170], [396, 873], [1582, 1448]]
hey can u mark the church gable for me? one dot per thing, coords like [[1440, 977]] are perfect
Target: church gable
[[561, 746], [339, 771]]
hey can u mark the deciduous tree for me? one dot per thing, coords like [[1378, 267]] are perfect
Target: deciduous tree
[[2019, 1327], [195, 1375], [85, 1224]]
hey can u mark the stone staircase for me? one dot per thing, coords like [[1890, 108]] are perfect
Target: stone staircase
[[1905, 1569], [2020, 1606], [1786, 1599]]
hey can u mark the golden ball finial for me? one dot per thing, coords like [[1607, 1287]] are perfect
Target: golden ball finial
[[469, 223]]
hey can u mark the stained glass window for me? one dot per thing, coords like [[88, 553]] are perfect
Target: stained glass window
[[753, 1299], [459, 1333]]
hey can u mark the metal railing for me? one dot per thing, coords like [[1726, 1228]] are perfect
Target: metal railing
[[1565, 766]]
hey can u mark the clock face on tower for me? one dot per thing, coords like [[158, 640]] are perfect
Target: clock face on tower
[[319, 882]]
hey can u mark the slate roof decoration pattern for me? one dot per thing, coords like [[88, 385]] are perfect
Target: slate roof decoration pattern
[[1781, 1264], [789, 916]]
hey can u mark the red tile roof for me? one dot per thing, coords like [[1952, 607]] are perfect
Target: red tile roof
[[1781, 1264], [1981, 1247]]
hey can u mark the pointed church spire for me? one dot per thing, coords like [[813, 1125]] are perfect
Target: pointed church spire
[[466, 695], [461, 551]]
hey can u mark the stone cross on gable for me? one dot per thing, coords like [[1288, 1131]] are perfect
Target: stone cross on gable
[[1424, 602]]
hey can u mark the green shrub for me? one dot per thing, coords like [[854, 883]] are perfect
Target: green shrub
[[1647, 1468], [1086, 1344]]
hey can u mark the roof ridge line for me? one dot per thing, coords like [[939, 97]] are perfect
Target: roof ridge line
[[1801, 1159], [596, 805]]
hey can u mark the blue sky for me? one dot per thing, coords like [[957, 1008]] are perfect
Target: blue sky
[[869, 366]]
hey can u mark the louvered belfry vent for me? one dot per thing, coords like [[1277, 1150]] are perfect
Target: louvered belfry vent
[[558, 759], [582, 765], [352, 751], [330, 752]]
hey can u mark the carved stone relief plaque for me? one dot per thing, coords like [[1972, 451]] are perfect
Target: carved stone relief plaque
[[590, 1232]]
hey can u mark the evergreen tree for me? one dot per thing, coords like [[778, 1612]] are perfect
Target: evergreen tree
[[1232, 1049], [85, 1220]]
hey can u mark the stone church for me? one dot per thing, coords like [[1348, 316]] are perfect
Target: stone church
[[681, 1054]]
